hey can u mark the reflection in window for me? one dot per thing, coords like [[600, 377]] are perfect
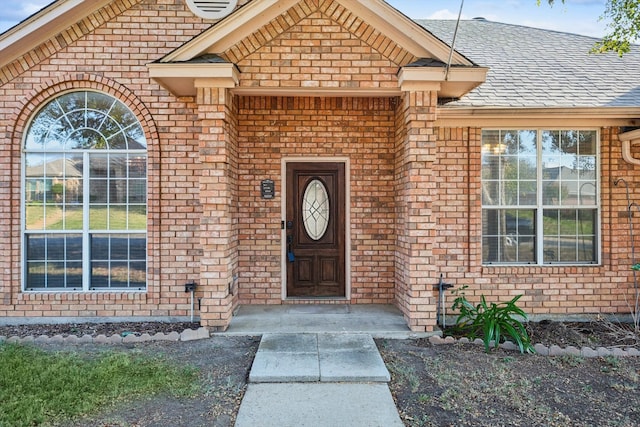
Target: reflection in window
[[539, 196], [85, 183]]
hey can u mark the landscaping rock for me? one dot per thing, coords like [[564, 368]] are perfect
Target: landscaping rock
[[555, 350], [508, 345], [573, 351], [72, 339], [541, 349], [618, 352], [436, 340], [633, 351], [130, 338], [56, 339], [588, 352], [114, 339]]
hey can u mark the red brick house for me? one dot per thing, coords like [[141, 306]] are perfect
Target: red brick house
[[308, 151]]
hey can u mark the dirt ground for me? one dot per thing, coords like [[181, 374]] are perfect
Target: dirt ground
[[445, 385]]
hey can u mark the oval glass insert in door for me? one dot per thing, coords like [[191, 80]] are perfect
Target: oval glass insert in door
[[315, 209]]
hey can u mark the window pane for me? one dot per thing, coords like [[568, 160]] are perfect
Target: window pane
[[56, 247], [99, 166], [509, 235], [99, 247], [117, 166], [34, 216], [35, 275], [138, 275], [118, 141], [73, 217], [35, 244], [550, 193], [138, 248], [98, 215], [48, 257], [588, 143], [135, 137], [74, 247], [490, 193], [117, 217], [99, 275], [119, 274], [119, 246], [137, 217], [55, 275], [118, 191], [74, 275], [527, 194], [137, 191], [137, 166], [569, 235]]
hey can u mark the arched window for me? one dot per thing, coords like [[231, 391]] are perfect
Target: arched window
[[85, 196]]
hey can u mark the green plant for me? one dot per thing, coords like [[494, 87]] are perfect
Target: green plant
[[493, 321]]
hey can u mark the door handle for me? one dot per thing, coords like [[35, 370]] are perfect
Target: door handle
[[290, 256]]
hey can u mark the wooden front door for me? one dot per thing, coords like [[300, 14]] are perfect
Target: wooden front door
[[315, 230]]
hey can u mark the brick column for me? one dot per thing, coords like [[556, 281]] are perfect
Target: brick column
[[218, 226], [415, 187]]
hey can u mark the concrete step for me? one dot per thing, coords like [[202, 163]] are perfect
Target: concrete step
[[318, 358]]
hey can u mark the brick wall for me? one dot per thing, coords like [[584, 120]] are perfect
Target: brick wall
[[273, 128]]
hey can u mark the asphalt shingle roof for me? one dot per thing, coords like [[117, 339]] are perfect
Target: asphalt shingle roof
[[531, 67]]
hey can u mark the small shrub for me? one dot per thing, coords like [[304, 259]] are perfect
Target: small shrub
[[492, 321]]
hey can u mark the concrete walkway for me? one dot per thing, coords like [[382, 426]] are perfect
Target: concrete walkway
[[318, 379]]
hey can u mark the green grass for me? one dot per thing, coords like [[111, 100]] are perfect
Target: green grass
[[39, 387]]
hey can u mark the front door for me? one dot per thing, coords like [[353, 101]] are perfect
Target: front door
[[315, 230]]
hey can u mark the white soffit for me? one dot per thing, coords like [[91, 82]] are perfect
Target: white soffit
[[211, 9]]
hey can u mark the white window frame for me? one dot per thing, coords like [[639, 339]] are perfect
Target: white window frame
[[540, 207], [86, 230]]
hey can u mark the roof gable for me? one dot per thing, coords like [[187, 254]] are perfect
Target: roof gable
[[331, 47], [382, 18]]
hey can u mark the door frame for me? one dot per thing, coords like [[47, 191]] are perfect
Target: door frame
[[347, 221]]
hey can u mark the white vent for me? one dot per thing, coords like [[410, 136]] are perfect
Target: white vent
[[212, 9]]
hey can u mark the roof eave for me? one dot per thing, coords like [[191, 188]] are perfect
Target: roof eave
[[183, 79], [484, 117], [454, 83]]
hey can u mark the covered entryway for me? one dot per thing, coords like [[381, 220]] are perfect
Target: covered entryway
[[334, 103], [315, 230]]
